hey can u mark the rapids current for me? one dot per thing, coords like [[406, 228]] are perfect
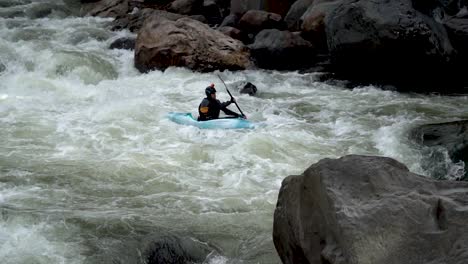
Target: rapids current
[[89, 164]]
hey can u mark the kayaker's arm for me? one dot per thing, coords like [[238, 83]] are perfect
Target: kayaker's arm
[[229, 112]]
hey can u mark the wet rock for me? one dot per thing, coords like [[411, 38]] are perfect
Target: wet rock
[[293, 17], [186, 7], [364, 209], [281, 50], [175, 250], [162, 247], [255, 20], [444, 139], [123, 43], [2, 67], [248, 88], [162, 43]]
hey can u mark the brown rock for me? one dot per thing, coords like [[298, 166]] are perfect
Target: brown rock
[[162, 43]]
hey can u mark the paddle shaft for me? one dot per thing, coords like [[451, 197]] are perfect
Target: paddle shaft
[[235, 102]]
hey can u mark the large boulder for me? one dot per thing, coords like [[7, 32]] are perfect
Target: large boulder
[[446, 152], [389, 41], [313, 22], [163, 43], [230, 21], [367, 210], [186, 7], [255, 20], [293, 17], [281, 50], [108, 8], [232, 32], [275, 6], [134, 21]]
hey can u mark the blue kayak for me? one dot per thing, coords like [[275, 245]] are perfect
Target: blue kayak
[[224, 123]]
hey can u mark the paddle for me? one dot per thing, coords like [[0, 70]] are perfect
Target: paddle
[[231, 96]]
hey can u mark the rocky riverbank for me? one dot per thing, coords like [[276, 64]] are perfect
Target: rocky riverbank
[[409, 45]]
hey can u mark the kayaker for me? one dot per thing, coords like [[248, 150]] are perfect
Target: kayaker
[[210, 107]]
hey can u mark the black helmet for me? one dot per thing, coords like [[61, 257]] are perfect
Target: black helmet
[[209, 91]]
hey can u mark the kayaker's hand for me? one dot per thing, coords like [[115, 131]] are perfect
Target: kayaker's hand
[[244, 116], [233, 100]]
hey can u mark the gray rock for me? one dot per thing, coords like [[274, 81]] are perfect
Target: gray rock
[[274, 6], [162, 43], [109, 8], [230, 21], [254, 21], [281, 50], [293, 17], [367, 210], [134, 21], [186, 7]]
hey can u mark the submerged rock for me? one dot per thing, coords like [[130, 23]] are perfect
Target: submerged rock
[[363, 209], [248, 88], [162, 43], [444, 139], [160, 248], [123, 43]]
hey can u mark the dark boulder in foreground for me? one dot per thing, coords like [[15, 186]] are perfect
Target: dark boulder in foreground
[[162, 43], [366, 210], [444, 141], [281, 50]]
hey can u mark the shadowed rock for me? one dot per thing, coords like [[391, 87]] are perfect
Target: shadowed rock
[[109, 8], [134, 21], [367, 210], [281, 50], [293, 17], [186, 7], [162, 43], [254, 21]]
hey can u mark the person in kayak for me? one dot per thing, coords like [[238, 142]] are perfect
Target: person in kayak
[[210, 107]]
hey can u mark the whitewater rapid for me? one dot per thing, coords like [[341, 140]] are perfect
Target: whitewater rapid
[[89, 163]]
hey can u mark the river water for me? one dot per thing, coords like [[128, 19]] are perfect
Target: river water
[[89, 163]]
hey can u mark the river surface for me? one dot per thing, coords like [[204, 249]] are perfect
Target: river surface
[[89, 163]]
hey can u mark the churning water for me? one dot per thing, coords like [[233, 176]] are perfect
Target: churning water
[[89, 164]]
